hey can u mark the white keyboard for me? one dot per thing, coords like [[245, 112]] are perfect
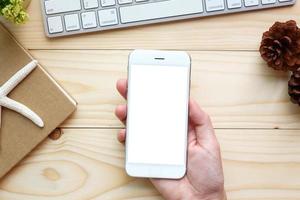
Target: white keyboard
[[68, 17]]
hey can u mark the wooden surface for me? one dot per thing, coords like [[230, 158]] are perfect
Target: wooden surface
[[257, 126]]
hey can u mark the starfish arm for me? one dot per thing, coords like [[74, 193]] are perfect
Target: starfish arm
[[17, 78], [22, 109]]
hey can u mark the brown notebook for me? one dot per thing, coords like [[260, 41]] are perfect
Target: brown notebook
[[39, 92]]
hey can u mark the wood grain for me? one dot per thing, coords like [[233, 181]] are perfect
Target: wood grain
[[89, 164], [229, 80], [235, 32], [236, 88]]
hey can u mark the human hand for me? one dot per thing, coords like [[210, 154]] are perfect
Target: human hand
[[204, 179]]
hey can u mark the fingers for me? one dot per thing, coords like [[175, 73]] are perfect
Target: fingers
[[122, 87], [201, 121], [121, 112], [122, 136], [197, 115]]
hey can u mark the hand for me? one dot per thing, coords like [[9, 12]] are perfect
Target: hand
[[204, 179]]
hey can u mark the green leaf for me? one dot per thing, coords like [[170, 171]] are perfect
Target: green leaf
[[4, 3], [14, 11]]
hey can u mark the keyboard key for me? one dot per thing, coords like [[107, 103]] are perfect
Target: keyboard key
[[108, 17], [106, 3], [61, 6], [264, 2], [158, 10], [89, 20], [214, 5], [55, 24], [90, 4], [124, 1], [72, 22], [249, 3], [234, 4], [284, 1]]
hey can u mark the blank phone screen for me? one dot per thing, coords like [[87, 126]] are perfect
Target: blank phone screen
[[157, 114]]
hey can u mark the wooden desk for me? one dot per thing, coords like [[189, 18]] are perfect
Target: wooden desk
[[257, 126]]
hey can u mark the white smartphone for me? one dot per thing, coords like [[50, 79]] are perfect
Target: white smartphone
[[157, 114]]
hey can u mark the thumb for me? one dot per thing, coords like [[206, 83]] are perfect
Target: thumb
[[200, 120]]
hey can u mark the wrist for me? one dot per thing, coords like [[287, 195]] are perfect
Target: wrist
[[215, 196]]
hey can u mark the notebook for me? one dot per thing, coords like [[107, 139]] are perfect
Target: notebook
[[39, 92]]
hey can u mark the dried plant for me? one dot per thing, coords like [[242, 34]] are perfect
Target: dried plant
[[280, 46]]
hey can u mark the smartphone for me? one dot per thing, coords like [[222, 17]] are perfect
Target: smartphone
[[157, 114]]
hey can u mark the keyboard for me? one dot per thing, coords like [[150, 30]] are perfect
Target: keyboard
[[69, 17]]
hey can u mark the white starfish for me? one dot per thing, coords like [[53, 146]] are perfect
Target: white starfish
[[7, 87]]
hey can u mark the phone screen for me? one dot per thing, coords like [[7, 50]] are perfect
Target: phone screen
[[157, 114]]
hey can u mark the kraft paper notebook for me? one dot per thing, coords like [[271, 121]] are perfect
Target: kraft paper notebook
[[39, 92]]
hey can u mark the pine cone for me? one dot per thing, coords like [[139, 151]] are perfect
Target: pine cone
[[280, 46], [294, 87]]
